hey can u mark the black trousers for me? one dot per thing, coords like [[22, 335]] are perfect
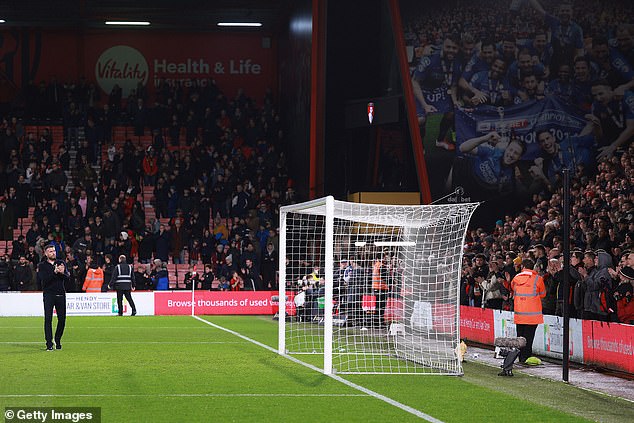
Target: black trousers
[[59, 303], [381, 302], [128, 296], [528, 332]]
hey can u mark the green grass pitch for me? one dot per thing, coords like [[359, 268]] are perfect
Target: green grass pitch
[[179, 369]]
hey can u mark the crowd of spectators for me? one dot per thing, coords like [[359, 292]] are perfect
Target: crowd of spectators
[[215, 168], [601, 237], [465, 55]]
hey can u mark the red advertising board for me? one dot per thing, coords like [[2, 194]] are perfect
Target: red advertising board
[[476, 324], [290, 309], [183, 59], [609, 345], [208, 302], [233, 60]]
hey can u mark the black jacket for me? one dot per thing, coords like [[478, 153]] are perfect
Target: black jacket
[[49, 281], [22, 278]]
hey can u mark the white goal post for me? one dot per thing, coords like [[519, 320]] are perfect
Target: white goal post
[[372, 288]]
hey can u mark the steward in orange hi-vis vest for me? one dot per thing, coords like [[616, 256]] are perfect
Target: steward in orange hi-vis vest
[[94, 280], [379, 281], [528, 290]]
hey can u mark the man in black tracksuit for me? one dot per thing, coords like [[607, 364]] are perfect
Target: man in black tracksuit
[[51, 277], [123, 281]]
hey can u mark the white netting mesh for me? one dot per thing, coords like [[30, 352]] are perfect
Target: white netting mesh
[[395, 280]]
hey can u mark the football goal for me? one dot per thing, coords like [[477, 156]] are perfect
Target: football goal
[[372, 288]]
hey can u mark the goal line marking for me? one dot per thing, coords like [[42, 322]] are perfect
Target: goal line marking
[[366, 391]]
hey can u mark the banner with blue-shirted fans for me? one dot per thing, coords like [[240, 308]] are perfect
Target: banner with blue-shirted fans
[[521, 121], [498, 151]]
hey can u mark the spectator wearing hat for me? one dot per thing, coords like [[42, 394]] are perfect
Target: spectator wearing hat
[[124, 244], [597, 287], [227, 268], [218, 257]]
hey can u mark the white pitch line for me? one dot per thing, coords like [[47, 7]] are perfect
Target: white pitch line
[[176, 395], [105, 327], [367, 391], [125, 342]]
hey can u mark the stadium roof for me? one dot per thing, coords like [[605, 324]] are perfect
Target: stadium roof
[[163, 14]]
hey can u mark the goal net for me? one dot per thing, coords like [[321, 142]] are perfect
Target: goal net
[[372, 288]]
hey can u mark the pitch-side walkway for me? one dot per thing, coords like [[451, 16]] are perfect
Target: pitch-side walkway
[[582, 377]]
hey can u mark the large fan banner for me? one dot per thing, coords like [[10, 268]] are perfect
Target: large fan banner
[[508, 93], [498, 149]]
